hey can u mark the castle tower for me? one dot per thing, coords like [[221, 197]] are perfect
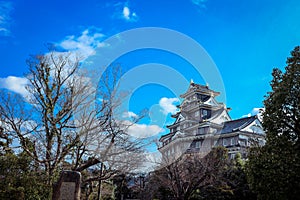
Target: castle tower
[[202, 123]]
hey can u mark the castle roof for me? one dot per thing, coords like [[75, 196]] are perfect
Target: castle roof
[[191, 116], [199, 88], [238, 124]]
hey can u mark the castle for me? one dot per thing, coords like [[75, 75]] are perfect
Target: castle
[[202, 123]]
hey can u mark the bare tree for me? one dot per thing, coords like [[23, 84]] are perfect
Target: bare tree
[[182, 178], [63, 122], [108, 141]]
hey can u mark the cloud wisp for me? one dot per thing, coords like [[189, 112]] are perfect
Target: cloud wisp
[[167, 105], [5, 19], [255, 111], [143, 130], [15, 84], [130, 114], [85, 44], [128, 15], [124, 11], [200, 3]]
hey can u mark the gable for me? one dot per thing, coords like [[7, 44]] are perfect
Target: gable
[[211, 102], [179, 119], [219, 118], [254, 127]]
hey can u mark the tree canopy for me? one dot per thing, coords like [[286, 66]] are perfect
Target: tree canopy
[[59, 126], [274, 169]]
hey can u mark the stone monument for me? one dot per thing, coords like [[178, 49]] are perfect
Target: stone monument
[[68, 186]]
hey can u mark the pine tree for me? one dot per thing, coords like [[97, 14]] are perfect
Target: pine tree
[[281, 118], [274, 169]]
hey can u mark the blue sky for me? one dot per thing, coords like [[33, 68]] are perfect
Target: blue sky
[[245, 40]]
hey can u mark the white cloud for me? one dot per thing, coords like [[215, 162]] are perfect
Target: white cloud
[[128, 15], [255, 111], [247, 115], [5, 19], [15, 84], [199, 3], [85, 44], [129, 114], [143, 130], [259, 112], [167, 105], [123, 11]]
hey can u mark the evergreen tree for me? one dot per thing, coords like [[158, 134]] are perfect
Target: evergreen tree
[[18, 178], [274, 169]]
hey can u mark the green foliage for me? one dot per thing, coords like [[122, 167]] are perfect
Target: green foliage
[[231, 185], [274, 169], [282, 114], [121, 183], [19, 180], [213, 192], [212, 177], [236, 180]]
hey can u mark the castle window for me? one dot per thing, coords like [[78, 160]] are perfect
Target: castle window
[[206, 114], [203, 130], [232, 155], [232, 141], [202, 97], [225, 142], [196, 113], [242, 142], [198, 144]]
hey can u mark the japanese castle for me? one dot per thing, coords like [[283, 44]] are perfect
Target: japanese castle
[[202, 123]]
